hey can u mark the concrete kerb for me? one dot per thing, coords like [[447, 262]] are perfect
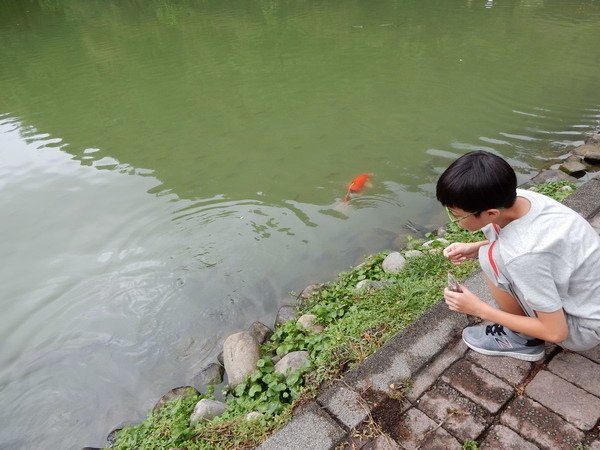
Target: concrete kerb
[[311, 429], [585, 199]]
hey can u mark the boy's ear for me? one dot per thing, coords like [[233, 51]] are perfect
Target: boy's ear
[[492, 214]]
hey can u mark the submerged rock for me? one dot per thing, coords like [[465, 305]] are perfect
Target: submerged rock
[[209, 375], [393, 263], [292, 362], [207, 409], [285, 314], [240, 354], [178, 392]]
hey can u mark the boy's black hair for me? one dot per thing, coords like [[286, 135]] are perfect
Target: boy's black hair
[[478, 181]]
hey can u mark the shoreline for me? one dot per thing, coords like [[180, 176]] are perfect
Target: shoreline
[[287, 313]]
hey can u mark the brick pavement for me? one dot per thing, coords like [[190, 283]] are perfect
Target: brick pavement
[[457, 395]]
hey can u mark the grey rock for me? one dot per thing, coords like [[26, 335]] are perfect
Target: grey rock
[[372, 285], [112, 436], [209, 375], [260, 332], [573, 167], [592, 156], [362, 285], [254, 415], [413, 253], [292, 362], [393, 263], [441, 232], [309, 290], [207, 409], [308, 322], [178, 392], [582, 150], [240, 354], [546, 176], [285, 314], [220, 359]]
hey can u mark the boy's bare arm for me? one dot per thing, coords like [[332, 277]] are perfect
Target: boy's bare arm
[[551, 327]]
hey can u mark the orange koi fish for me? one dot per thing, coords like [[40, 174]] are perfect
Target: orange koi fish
[[357, 185]]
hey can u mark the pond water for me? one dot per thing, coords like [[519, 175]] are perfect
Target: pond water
[[171, 170]]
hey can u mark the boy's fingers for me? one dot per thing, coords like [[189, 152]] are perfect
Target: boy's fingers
[[448, 251]]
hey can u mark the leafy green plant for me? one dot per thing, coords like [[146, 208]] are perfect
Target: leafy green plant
[[558, 190], [470, 445], [271, 390], [168, 427]]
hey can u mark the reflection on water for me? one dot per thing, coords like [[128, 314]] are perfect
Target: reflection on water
[[170, 171]]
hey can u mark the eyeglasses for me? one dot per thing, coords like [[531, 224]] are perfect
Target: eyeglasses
[[454, 219]]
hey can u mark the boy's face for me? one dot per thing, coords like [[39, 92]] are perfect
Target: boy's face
[[467, 220]]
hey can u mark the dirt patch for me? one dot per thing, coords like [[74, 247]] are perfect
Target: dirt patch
[[387, 415]]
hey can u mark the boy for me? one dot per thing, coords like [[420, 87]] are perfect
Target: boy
[[541, 261]]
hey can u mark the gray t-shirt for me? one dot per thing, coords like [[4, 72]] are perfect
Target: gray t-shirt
[[548, 259]]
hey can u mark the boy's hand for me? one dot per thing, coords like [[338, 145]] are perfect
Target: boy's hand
[[460, 251], [465, 302]]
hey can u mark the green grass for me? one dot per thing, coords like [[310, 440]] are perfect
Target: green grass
[[356, 323]]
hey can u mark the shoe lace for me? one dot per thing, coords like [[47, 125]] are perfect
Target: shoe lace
[[495, 329]]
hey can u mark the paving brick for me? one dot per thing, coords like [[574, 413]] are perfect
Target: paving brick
[[440, 440], [381, 442], [345, 404], [574, 404], [510, 370], [312, 429], [415, 429], [462, 418], [479, 385], [500, 437], [539, 425], [593, 354], [425, 379], [594, 445], [578, 370]]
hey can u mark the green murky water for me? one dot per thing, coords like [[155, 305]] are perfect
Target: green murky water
[[170, 170]]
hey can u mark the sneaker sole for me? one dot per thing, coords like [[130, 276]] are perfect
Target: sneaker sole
[[516, 355]]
